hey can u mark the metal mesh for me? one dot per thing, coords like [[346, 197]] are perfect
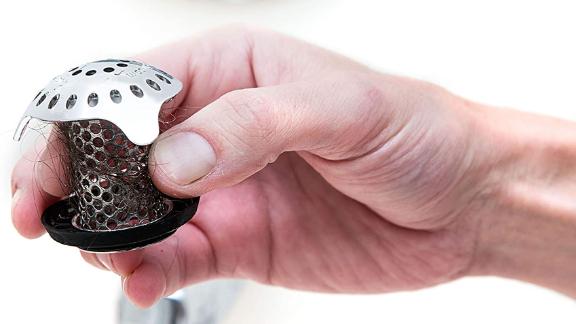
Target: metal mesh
[[109, 178]]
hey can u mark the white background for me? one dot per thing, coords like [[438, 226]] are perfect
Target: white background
[[511, 53]]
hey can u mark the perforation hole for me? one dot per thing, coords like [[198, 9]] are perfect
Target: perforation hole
[[91, 72], [122, 64], [41, 100], [88, 149], [98, 204], [136, 91], [163, 79], [119, 203], [116, 96], [100, 156], [76, 72], [133, 221], [71, 101], [112, 163], [164, 73], [109, 69], [95, 128], [122, 216], [110, 148], [108, 210], [95, 191], [98, 142], [104, 183], [153, 84], [92, 99], [119, 140], [107, 197], [53, 101], [107, 134], [111, 224], [91, 163]]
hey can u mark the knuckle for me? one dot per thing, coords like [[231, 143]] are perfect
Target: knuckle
[[253, 113], [370, 94], [367, 101]]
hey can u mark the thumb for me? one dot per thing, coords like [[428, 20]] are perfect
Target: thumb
[[244, 130]]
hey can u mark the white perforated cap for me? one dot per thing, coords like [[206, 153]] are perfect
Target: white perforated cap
[[126, 93]]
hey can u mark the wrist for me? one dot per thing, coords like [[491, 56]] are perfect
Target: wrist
[[528, 229]]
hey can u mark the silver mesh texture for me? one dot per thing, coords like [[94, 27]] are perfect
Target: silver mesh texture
[[112, 189]]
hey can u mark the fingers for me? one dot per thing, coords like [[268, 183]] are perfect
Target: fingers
[[227, 238], [161, 269], [37, 181], [122, 263], [244, 130], [28, 204]]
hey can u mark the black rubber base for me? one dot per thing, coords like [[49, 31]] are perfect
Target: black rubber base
[[57, 219]]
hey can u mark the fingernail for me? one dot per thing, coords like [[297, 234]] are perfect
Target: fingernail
[[103, 259], [124, 281], [14, 188], [184, 157], [16, 198]]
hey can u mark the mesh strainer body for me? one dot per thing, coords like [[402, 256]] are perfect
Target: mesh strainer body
[[109, 177]]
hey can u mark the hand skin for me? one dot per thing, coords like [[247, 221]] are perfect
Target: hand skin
[[328, 176]]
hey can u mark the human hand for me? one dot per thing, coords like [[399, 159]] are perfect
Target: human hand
[[315, 172]]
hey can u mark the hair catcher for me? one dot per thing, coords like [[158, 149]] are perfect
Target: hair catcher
[[107, 115]]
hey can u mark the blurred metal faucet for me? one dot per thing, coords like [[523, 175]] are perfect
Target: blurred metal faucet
[[206, 303]]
